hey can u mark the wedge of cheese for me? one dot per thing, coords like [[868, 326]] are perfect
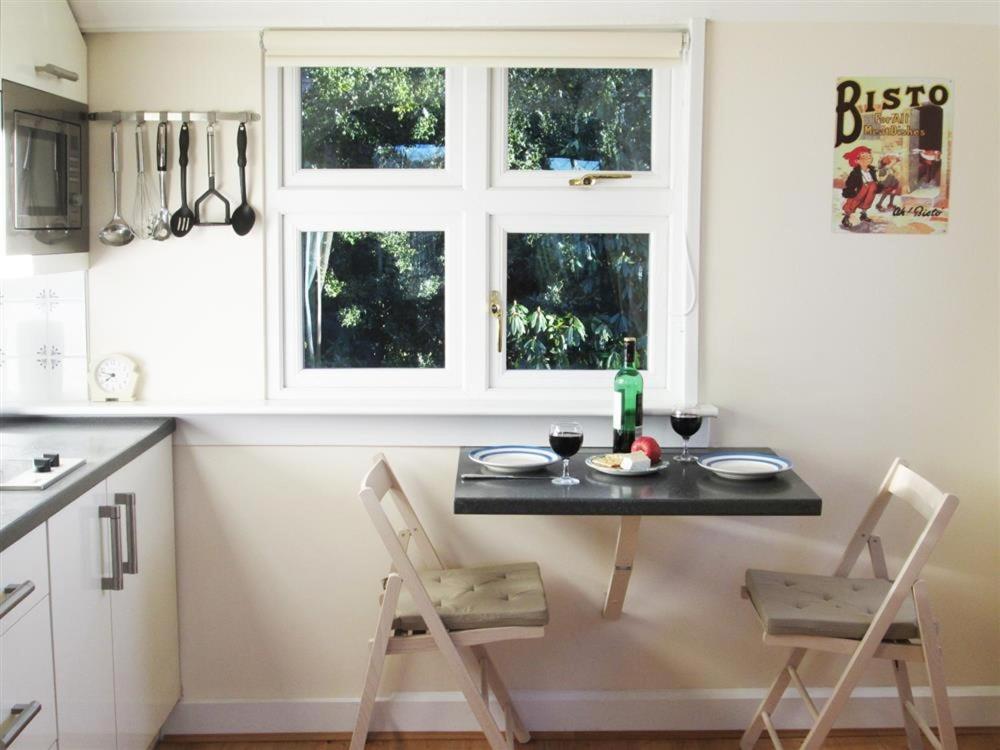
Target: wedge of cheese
[[637, 461]]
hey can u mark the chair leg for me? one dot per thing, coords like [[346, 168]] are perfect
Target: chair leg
[[376, 660], [460, 662], [770, 702], [502, 694], [902, 675], [935, 666]]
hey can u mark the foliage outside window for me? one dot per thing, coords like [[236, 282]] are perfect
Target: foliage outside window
[[569, 118], [373, 299], [364, 118], [572, 298]]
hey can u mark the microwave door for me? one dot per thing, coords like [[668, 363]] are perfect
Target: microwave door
[[41, 190]]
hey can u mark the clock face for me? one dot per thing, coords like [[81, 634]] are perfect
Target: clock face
[[115, 376]]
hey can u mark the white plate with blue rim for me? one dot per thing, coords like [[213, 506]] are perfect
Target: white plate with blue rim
[[745, 466], [514, 459]]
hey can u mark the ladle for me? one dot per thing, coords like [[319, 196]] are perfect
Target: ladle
[[117, 232]]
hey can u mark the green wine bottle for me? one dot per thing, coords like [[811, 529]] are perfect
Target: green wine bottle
[[627, 420]]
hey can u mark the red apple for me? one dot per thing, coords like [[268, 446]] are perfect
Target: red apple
[[648, 446]]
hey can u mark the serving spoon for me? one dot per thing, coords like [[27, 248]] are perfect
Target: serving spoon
[[243, 216], [117, 232]]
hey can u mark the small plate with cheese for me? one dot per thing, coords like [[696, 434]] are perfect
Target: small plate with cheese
[[625, 464]]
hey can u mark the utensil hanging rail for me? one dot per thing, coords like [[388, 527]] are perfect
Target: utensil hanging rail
[[171, 116]]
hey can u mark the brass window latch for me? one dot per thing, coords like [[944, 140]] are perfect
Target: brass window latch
[[496, 310], [592, 177]]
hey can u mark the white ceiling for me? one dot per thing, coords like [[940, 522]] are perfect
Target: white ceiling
[[206, 15]]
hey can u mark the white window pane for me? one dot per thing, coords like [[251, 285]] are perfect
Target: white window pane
[[572, 298], [373, 299], [373, 118], [579, 119]]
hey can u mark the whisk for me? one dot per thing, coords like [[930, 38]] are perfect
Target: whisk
[[143, 214]]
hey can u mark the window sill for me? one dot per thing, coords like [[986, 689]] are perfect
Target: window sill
[[285, 408]]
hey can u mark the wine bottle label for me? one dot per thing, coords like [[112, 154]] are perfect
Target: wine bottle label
[[616, 414]]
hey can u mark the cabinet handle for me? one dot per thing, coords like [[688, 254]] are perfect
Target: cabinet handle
[[14, 594], [55, 70], [22, 713], [131, 565], [116, 582]]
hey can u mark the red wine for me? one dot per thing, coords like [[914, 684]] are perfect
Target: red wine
[[566, 444], [686, 425]]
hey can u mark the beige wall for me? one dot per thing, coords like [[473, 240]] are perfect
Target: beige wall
[[190, 310], [840, 351]]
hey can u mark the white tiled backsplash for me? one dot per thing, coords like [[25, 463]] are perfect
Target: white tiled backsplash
[[43, 338]]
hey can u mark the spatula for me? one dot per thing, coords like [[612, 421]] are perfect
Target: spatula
[[183, 218]]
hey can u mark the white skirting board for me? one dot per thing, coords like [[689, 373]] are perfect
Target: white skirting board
[[556, 711]]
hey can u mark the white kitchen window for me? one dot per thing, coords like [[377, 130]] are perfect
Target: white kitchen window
[[419, 183]]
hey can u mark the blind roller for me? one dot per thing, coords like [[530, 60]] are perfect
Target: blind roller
[[508, 48]]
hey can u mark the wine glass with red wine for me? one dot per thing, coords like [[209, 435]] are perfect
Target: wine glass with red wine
[[685, 423], [565, 438]]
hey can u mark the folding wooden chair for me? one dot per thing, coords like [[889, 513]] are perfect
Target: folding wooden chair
[[454, 610], [865, 618]]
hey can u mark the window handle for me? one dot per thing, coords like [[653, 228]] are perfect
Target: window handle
[[589, 179], [496, 310]]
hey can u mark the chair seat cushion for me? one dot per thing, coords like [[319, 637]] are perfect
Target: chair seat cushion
[[490, 596], [798, 604]]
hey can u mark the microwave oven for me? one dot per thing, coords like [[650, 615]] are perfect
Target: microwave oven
[[45, 160]]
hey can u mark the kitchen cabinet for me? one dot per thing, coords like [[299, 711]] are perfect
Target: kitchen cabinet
[[34, 34], [144, 613], [27, 698], [115, 635], [81, 620], [26, 695], [24, 577]]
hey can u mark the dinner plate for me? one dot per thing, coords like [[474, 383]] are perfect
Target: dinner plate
[[625, 472], [514, 459], [744, 465]]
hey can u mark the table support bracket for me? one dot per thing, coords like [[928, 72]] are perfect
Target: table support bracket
[[628, 541]]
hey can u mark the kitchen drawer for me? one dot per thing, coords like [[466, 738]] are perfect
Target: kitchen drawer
[[22, 565], [26, 678]]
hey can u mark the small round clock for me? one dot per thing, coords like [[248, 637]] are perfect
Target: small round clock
[[114, 378]]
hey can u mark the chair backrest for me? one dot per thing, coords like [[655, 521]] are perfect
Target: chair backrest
[[935, 506], [379, 482]]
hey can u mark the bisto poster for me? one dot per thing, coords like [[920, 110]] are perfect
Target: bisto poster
[[892, 155]]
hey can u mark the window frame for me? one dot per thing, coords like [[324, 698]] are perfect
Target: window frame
[[659, 334], [318, 380], [469, 385], [659, 174], [297, 176]]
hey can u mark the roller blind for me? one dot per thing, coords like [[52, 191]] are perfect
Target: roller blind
[[507, 48]]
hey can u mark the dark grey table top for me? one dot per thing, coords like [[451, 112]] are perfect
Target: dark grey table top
[[679, 490], [106, 444]]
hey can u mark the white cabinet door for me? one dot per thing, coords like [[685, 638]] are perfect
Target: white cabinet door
[[144, 613], [26, 681], [39, 34], [79, 557], [24, 577]]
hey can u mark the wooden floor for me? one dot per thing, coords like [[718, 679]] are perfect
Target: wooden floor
[[876, 740]]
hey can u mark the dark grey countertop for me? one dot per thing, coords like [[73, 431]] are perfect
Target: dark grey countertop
[[106, 444], [678, 490]]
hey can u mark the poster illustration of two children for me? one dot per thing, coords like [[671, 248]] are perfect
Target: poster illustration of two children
[[892, 155]]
